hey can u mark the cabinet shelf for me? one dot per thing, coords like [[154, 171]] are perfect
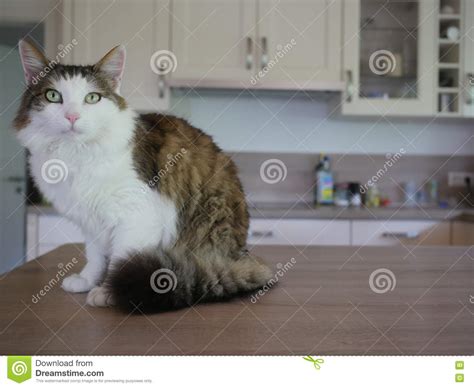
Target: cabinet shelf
[[454, 16], [445, 65], [453, 90], [388, 78], [445, 41], [448, 114], [405, 31], [449, 56]]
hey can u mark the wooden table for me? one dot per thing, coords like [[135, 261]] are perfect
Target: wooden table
[[323, 305]]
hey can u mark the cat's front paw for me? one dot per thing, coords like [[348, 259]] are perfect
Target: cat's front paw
[[100, 297], [77, 283]]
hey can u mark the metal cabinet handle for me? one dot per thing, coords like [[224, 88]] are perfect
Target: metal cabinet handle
[[249, 56], [161, 86], [349, 86], [264, 59], [406, 235], [261, 233]]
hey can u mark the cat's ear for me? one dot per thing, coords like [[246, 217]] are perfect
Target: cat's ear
[[113, 64], [32, 60]]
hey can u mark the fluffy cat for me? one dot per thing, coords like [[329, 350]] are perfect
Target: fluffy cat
[[160, 205]]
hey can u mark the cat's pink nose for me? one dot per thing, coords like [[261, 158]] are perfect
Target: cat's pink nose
[[72, 117]]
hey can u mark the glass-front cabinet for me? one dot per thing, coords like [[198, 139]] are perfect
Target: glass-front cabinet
[[390, 57]]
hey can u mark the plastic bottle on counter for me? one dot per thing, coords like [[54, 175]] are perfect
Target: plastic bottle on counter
[[373, 196], [434, 194], [324, 192]]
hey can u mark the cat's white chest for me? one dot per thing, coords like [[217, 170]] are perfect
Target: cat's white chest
[[106, 199]]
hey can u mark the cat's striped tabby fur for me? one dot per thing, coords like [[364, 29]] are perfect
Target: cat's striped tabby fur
[[147, 221]]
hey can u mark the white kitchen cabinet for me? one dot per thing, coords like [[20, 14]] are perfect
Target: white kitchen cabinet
[[257, 44], [400, 232], [46, 232], [214, 42], [463, 233], [141, 26], [300, 44], [298, 232], [390, 56]]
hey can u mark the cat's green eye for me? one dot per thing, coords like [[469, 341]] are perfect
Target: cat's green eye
[[93, 98], [53, 96]]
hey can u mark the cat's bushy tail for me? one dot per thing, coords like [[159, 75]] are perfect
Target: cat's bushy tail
[[150, 282]]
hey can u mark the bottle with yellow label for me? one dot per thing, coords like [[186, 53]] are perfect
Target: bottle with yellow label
[[324, 191]]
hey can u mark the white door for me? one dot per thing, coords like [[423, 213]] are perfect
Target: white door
[[390, 57], [12, 163], [300, 44], [214, 42], [142, 26]]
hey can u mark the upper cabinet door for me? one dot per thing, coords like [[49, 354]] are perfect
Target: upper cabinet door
[[390, 57], [299, 44], [142, 26], [213, 41]]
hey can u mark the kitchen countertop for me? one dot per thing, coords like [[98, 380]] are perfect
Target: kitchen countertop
[[322, 304], [302, 211]]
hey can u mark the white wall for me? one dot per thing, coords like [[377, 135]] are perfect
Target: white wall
[[243, 121]]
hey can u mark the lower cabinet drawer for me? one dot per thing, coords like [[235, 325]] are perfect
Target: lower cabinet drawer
[[298, 232], [400, 232]]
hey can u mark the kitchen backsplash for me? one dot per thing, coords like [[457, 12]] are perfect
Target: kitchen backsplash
[[293, 174]]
